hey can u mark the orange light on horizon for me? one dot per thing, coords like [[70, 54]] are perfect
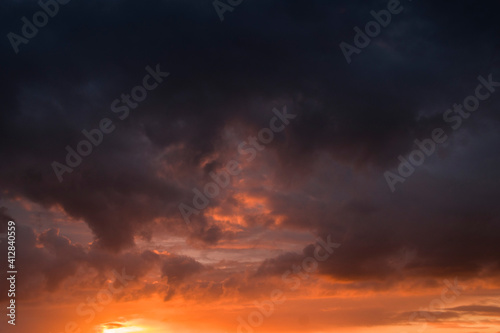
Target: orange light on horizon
[[123, 329], [119, 328]]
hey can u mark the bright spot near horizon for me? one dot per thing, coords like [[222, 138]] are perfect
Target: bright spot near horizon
[[133, 326], [126, 329]]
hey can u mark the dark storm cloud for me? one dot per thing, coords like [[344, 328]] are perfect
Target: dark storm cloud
[[4, 217], [449, 314], [49, 259], [364, 114], [433, 229], [178, 268], [478, 309]]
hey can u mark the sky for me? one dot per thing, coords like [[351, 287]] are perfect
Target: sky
[[249, 166]]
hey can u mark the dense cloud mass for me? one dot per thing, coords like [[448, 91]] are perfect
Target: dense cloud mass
[[322, 175]]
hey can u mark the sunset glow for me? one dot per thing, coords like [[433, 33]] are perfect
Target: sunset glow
[[129, 329], [250, 166]]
